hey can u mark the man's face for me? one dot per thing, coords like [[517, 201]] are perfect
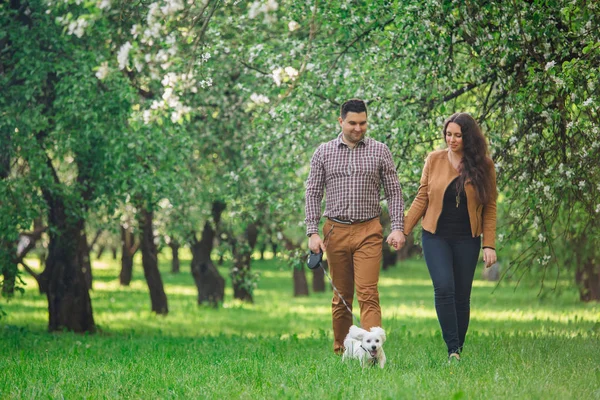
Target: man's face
[[354, 127]]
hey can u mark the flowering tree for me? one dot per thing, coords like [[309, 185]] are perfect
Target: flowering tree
[[527, 72], [223, 102]]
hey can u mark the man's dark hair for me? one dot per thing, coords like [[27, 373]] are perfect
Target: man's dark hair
[[353, 105]]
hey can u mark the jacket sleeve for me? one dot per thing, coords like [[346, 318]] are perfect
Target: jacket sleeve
[[419, 205], [489, 215]]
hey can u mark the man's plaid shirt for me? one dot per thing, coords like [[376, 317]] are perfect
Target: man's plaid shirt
[[352, 179]]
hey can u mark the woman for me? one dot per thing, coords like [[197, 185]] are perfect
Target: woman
[[457, 200]]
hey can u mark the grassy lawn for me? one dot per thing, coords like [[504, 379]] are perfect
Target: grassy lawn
[[519, 345]]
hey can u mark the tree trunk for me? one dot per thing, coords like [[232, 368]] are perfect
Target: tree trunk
[[128, 250], [83, 254], [8, 268], [409, 250], [27, 242], [300, 282], [69, 304], [7, 249], [263, 248], [175, 264], [114, 252], [388, 258], [210, 284], [587, 277], [101, 249], [241, 274], [158, 297], [318, 283]]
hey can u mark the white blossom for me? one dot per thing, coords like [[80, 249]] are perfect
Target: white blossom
[[293, 25], [291, 72], [259, 98], [172, 7], [588, 102], [167, 94], [254, 10], [147, 115], [104, 5], [77, 27], [559, 81], [548, 192], [169, 79], [135, 30], [123, 55], [550, 65], [139, 66], [272, 5], [541, 238], [205, 83], [102, 71], [266, 8], [544, 260], [277, 75]]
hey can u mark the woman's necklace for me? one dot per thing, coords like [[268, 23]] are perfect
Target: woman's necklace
[[457, 198], [451, 158]]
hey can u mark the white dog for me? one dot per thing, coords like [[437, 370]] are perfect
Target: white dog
[[365, 345]]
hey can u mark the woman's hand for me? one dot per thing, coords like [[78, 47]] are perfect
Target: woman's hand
[[489, 257]]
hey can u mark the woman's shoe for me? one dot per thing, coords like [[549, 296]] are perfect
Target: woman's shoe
[[453, 358]]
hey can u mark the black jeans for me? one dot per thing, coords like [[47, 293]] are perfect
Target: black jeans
[[451, 263]]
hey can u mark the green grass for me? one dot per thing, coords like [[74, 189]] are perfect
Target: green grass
[[518, 346]]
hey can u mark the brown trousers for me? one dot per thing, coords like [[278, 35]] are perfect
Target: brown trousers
[[354, 259]]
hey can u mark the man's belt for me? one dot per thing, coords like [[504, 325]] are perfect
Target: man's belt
[[350, 221]]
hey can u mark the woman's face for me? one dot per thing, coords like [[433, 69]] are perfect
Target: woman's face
[[454, 137]]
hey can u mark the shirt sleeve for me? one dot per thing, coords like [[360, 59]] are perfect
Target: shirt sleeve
[[315, 186], [419, 205], [393, 191]]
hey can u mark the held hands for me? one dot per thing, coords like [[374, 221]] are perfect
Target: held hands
[[315, 244], [489, 257], [396, 239]]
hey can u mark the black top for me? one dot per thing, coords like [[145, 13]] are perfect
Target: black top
[[454, 220]]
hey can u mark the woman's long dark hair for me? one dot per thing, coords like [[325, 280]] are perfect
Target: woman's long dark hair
[[476, 164]]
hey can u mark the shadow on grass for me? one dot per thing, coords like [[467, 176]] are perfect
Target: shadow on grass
[[405, 291]]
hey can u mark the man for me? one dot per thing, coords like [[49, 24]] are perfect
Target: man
[[351, 169]]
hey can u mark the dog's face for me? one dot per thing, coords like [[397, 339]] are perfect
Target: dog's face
[[371, 340]]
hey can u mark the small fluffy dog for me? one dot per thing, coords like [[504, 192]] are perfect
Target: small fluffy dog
[[365, 345]]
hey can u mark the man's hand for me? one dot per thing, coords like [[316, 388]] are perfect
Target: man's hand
[[315, 244], [489, 257], [396, 239]]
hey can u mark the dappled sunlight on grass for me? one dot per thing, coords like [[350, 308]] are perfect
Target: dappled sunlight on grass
[[99, 264], [395, 282], [406, 297], [583, 316]]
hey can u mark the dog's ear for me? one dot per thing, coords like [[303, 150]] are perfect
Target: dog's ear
[[356, 332], [379, 331]]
